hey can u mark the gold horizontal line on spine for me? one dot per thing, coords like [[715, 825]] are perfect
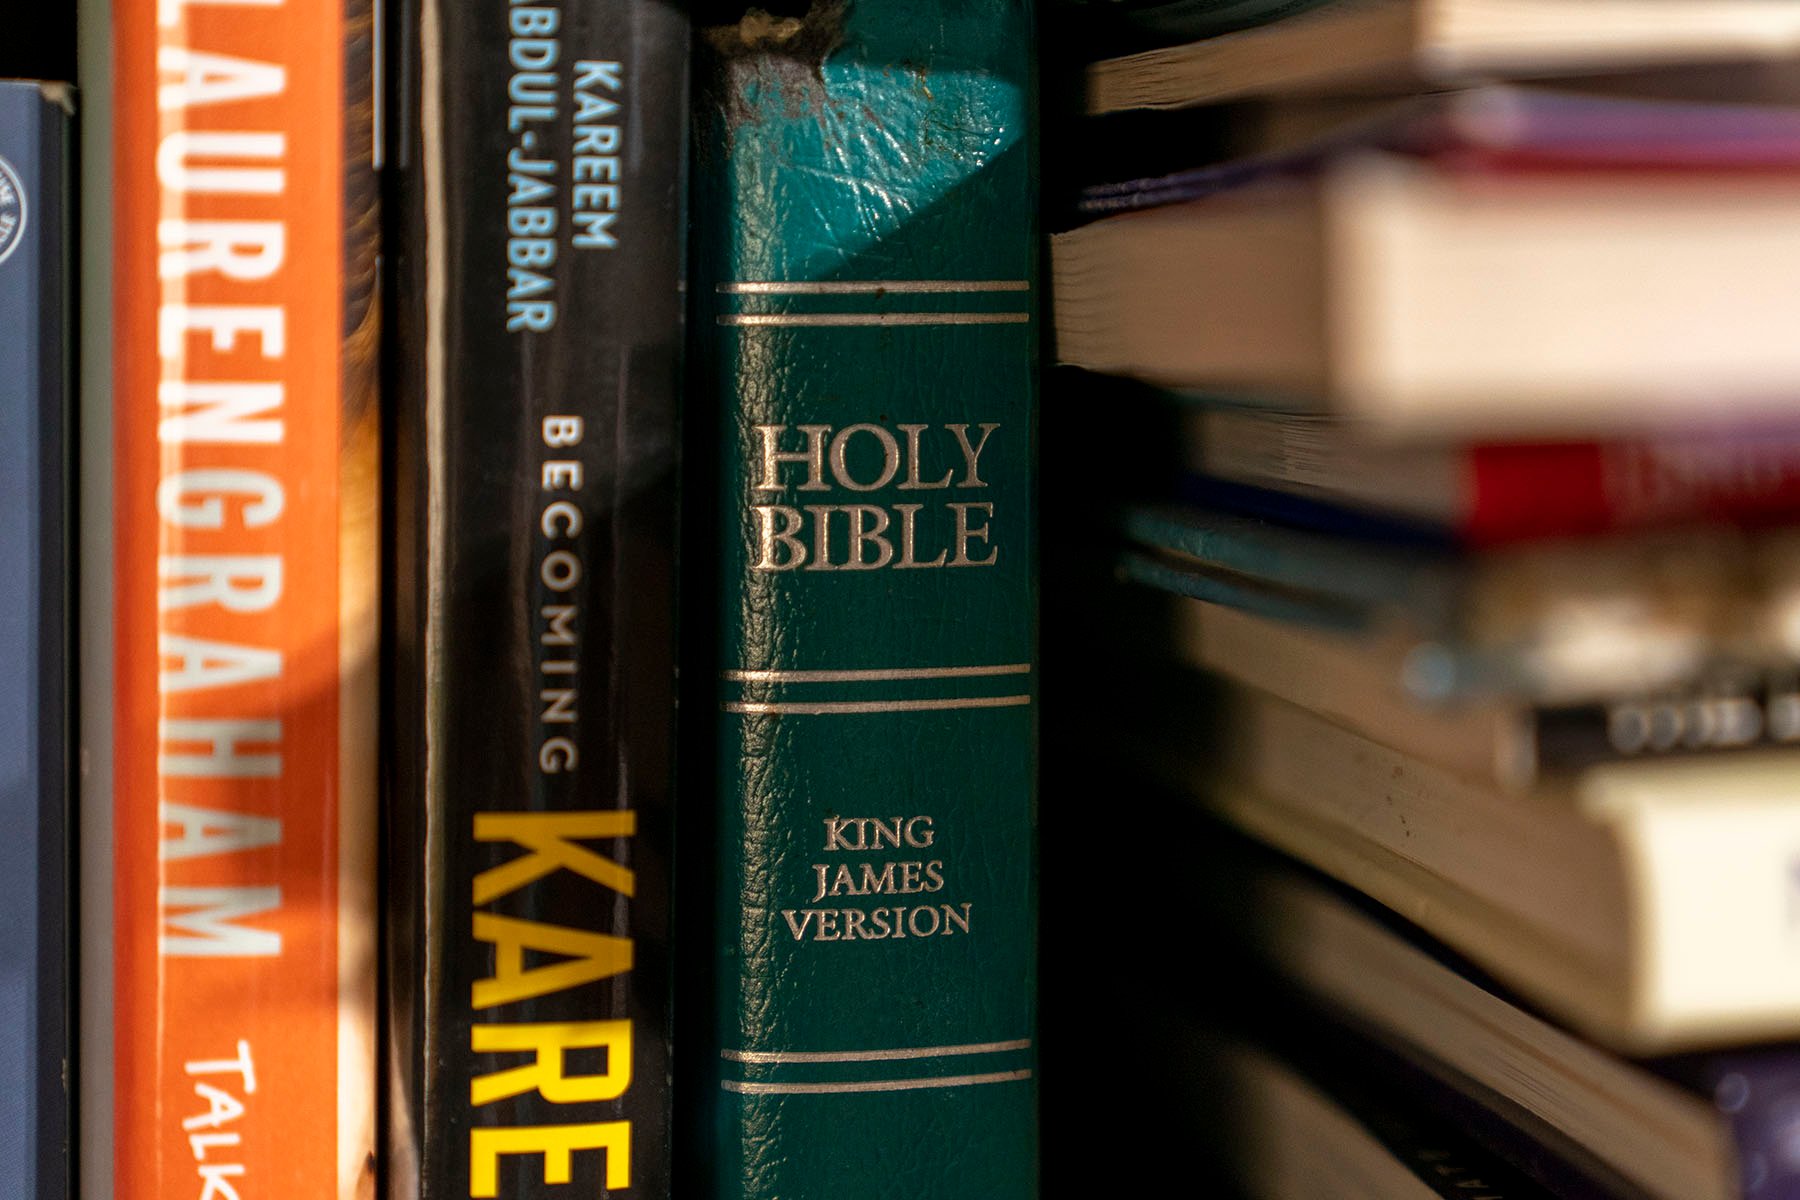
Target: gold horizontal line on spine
[[824, 708], [817, 320], [837, 1056], [883, 673], [872, 1085], [870, 287]]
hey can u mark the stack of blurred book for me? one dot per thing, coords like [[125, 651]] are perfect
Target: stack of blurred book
[[1482, 562]]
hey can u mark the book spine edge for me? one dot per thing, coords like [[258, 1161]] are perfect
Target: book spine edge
[[211, 922], [533, 501]]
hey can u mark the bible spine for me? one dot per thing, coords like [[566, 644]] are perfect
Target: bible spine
[[865, 305]]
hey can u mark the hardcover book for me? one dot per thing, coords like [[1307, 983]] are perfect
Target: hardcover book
[[37, 656], [230, 712], [536, 245], [864, 309]]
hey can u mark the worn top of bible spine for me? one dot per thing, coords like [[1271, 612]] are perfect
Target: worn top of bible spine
[[537, 180], [866, 304]]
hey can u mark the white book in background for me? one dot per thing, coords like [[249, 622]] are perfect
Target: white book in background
[[1650, 905], [1454, 304]]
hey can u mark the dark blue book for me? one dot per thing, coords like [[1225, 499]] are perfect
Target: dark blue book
[[36, 657], [1308, 512]]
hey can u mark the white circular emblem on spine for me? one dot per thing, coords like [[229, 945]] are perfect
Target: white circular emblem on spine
[[12, 210]]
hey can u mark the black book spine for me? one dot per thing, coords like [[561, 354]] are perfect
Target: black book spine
[[1743, 711], [36, 650], [535, 190]]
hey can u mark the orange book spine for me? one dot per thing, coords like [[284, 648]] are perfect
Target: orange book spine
[[245, 569]]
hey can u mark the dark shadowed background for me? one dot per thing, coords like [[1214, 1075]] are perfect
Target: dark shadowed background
[[39, 40]]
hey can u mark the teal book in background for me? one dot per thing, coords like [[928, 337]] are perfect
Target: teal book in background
[[865, 313]]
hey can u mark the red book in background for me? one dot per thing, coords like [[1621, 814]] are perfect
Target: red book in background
[[1490, 493]]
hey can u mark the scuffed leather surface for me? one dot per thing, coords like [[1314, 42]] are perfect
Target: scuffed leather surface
[[872, 141]]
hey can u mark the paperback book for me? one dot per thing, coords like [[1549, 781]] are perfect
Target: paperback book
[[1599, 895], [1706, 1126], [229, 806], [1482, 266], [536, 196], [1289, 1117]]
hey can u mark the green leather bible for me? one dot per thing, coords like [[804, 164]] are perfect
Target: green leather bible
[[865, 318]]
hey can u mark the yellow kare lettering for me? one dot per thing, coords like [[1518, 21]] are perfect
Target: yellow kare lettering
[[557, 1143], [547, 837], [550, 1042], [589, 956]]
